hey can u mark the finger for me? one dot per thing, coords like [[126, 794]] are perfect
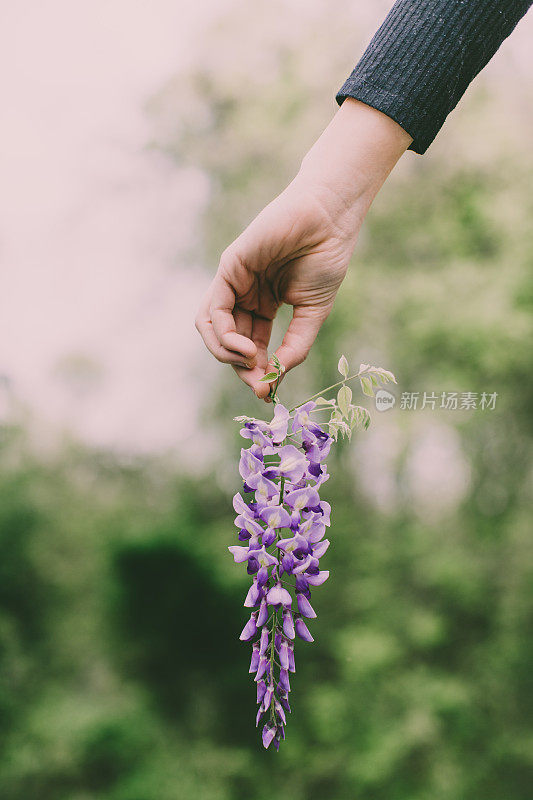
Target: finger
[[252, 378], [243, 326], [261, 332], [302, 331], [205, 329], [259, 329], [221, 314], [222, 353], [243, 321]]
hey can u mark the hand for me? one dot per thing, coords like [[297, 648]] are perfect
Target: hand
[[296, 251], [298, 248]]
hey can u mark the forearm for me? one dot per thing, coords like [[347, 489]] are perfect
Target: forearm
[[423, 57], [354, 155]]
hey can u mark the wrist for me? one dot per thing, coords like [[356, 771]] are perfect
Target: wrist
[[355, 154]]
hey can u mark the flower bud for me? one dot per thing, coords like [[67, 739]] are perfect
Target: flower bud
[[303, 631]]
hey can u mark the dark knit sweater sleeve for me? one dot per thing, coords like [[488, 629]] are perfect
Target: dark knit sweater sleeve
[[423, 57]]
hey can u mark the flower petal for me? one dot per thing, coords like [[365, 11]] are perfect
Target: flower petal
[[284, 655], [293, 463], [280, 423], [302, 498], [262, 576], [239, 505], [292, 665], [278, 708], [302, 566], [268, 537], [263, 613], [320, 548], [287, 562], [262, 668], [264, 489], [319, 579], [288, 624], [261, 689], [268, 734], [284, 679], [275, 517], [252, 597], [304, 606], [295, 544], [249, 630], [278, 595], [315, 531], [254, 661], [301, 584], [301, 416], [249, 464], [239, 553], [265, 559], [263, 642], [303, 631]]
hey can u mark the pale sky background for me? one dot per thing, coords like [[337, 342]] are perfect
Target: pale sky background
[[92, 224], [95, 228]]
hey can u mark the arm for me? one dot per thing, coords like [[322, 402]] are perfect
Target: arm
[[297, 250], [422, 59]]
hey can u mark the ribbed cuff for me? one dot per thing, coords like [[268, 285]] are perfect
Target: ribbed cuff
[[423, 57], [415, 120]]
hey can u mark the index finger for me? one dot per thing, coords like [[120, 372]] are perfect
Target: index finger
[[221, 312]]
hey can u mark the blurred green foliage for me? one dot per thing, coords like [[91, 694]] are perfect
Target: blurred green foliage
[[122, 677]]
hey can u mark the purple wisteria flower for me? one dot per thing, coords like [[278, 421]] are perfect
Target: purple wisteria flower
[[281, 525]]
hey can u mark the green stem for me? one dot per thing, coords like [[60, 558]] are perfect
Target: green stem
[[272, 651], [275, 615], [274, 391], [323, 391]]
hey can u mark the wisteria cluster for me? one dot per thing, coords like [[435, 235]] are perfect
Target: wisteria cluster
[[282, 525]]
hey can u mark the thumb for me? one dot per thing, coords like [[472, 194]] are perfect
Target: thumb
[[302, 331]]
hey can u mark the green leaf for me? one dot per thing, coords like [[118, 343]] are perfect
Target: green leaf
[[335, 425], [345, 429], [270, 377], [388, 376], [321, 401], [333, 430], [360, 417], [377, 374], [277, 363], [342, 366], [344, 398], [366, 386]]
